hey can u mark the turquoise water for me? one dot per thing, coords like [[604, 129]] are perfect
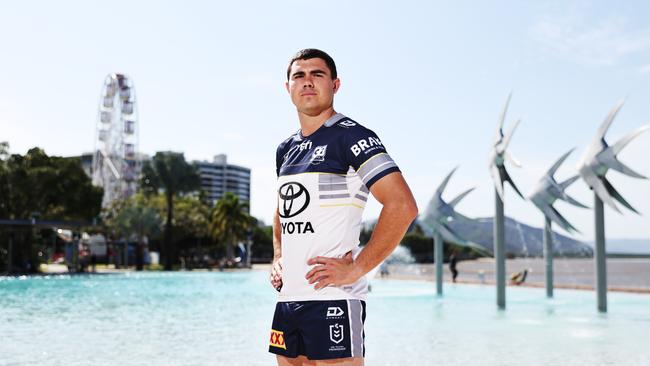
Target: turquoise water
[[208, 318]]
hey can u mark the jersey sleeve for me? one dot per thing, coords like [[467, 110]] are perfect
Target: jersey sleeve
[[278, 159], [367, 155]]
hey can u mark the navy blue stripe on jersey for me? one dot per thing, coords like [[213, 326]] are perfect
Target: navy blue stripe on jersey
[[340, 143], [381, 174]]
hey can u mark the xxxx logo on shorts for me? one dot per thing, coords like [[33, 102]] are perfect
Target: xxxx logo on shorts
[[277, 339]]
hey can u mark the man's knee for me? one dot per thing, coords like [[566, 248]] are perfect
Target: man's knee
[[297, 361], [304, 361], [350, 361]]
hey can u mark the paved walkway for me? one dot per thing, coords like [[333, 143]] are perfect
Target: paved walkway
[[622, 274]]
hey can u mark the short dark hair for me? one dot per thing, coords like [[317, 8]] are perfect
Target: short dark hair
[[309, 53]]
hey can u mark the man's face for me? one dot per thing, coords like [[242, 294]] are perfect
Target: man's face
[[311, 86]]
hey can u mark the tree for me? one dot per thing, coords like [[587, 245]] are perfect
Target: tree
[[191, 217], [169, 172], [230, 222], [4, 150], [421, 246], [54, 187], [4, 203], [262, 238], [36, 185], [133, 219], [4, 180]]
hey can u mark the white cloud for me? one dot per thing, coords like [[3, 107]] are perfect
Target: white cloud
[[604, 44]]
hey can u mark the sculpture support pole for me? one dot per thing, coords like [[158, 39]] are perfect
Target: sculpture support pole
[[438, 257], [499, 252], [75, 255], [10, 254], [600, 255], [548, 256], [126, 254]]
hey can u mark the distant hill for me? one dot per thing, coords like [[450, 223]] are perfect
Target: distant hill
[[627, 246], [521, 240]]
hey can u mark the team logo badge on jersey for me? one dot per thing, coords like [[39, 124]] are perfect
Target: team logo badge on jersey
[[347, 124], [277, 339], [336, 333], [319, 154], [295, 199]]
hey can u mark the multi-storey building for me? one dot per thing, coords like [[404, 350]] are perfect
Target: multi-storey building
[[219, 177]]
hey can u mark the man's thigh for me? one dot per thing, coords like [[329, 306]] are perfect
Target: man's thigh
[[304, 361]]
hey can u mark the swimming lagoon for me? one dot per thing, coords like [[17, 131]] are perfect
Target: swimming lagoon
[[221, 318]]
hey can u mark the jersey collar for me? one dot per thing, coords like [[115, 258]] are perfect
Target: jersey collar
[[333, 120], [329, 123]]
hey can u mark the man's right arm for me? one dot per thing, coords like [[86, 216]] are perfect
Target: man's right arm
[[276, 266]]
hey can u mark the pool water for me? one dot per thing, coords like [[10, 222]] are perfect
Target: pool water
[[218, 318]]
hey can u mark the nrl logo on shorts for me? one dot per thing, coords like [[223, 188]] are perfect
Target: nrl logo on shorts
[[336, 333], [333, 311], [319, 154]]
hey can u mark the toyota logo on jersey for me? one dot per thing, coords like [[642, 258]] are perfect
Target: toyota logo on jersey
[[295, 199]]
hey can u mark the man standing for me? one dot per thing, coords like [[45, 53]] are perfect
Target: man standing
[[452, 266], [326, 171]]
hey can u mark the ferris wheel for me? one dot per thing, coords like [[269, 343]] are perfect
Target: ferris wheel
[[116, 166]]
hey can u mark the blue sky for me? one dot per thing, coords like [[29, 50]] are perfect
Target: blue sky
[[429, 77]]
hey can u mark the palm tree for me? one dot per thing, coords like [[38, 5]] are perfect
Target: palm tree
[[168, 171], [230, 222], [4, 150], [133, 218], [5, 188]]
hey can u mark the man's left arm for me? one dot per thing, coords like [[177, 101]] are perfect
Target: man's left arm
[[399, 210]]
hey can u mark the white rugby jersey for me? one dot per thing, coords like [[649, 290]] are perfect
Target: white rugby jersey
[[323, 182]]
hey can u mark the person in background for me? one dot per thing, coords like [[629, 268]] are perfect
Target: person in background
[[452, 266]]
